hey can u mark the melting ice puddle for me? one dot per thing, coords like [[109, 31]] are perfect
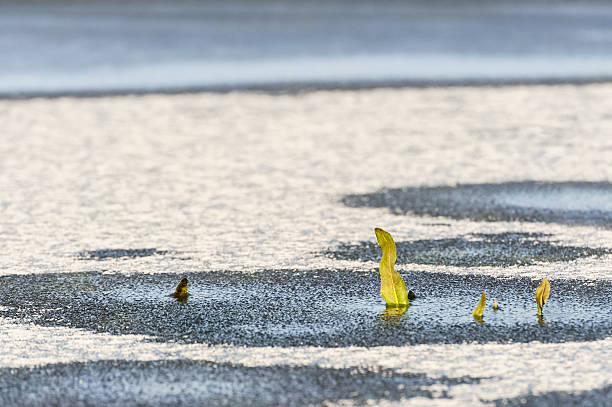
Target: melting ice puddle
[[317, 307], [156, 293], [473, 250], [582, 203]]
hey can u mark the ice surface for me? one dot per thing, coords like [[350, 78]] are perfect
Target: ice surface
[[144, 45], [473, 250], [321, 71], [507, 370], [316, 308], [246, 182], [565, 199], [572, 203]]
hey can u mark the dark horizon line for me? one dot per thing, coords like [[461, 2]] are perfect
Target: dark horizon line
[[304, 87]]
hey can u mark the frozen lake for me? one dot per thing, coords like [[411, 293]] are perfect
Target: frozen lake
[[107, 46], [267, 203]]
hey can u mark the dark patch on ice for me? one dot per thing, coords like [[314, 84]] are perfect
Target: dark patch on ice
[[317, 307], [595, 397], [103, 254], [498, 202], [188, 382], [472, 250]]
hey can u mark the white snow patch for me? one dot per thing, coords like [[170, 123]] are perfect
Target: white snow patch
[[248, 181]]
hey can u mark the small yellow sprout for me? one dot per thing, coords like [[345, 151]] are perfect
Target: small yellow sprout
[[181, 290], [392, 287], [480, 307], [542, 294], [495, 307]]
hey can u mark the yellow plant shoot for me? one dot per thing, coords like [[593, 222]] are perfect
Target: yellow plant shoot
[[181, 293], [480, 307], [392, 287], [542, 294]]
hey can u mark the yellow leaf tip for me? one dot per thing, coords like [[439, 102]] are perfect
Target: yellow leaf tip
[[381, 235], [542, 294], [181, 290], [480, 307]]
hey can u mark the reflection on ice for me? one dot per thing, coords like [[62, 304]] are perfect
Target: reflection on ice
[[561, 198], [103, 254], [393, 314]]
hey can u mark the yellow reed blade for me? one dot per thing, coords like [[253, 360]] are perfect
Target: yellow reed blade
[[542, 294], [392, 287], [480, 307]]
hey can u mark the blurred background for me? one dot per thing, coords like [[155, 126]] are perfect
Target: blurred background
[[116, 46]]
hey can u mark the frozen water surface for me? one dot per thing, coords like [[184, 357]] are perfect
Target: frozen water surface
[[244, 193], [147, 45], [562, 198], [248, 181], [473, 250], [561, 202], [172, 382], [318, 308], [487, 370]]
